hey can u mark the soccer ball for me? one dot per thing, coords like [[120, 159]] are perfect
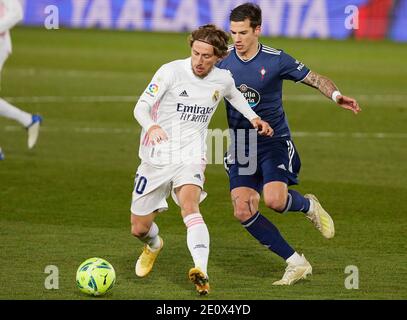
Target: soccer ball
[[95, 276]]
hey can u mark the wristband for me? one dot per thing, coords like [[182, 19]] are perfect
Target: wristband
[[335, 94]]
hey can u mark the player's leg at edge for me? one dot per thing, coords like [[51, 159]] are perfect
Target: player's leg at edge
[[245, 202], [145, 229], [188, 196], [31, 122], [33, 130]]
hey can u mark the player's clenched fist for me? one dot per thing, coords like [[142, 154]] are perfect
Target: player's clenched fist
[[263, 128], [157, 134]]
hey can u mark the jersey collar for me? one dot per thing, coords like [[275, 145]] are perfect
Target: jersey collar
[[252, 58]]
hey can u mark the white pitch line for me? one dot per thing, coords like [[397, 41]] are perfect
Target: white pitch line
[[32, 72], [369, 100], [296, 134], [110, 74], [79, 129], [107, 130], [357, 135], [72, 99], [373, 98]]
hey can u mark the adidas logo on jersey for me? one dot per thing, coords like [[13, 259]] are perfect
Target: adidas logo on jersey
[[184, 94]]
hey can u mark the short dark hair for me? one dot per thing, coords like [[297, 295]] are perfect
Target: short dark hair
[[212, 35], [245, 11]]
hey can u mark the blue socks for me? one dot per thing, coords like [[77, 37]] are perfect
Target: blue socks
[[268, 235], [296, 202]]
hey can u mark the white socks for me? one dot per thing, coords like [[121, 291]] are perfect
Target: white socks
[[311, 206], [151, 238], [198, 240], [295, 259], [9, 111]]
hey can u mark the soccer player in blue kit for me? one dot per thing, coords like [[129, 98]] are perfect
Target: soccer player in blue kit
[[259, 71]]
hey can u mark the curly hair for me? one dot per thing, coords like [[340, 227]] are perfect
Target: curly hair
[[212, 35]]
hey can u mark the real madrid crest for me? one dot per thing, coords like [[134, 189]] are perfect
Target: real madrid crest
[[216, 96]]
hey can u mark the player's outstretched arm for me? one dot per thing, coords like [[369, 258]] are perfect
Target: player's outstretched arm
[[330, 90]]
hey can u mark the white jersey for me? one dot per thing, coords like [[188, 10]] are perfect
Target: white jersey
[[11, 13], [182, 104]]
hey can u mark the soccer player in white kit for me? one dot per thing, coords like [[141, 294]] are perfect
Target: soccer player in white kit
[[174, 112], [11, 13]]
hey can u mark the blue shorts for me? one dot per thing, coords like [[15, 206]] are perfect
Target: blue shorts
[[279, 162]]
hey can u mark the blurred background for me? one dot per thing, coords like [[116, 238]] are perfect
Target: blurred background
[[361, 19]]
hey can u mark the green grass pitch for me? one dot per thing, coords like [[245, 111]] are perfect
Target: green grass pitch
[[68, 199]]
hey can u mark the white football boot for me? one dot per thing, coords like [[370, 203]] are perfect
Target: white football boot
[[320, 218], [33, 130], [294, 273]]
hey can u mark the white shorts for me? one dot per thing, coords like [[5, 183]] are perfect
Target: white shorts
[[153, 185]]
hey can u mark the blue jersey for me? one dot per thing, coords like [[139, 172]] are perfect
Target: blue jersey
[[260, 79]]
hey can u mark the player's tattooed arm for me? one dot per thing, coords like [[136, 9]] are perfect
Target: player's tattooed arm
[[322, 83], [327, 88]]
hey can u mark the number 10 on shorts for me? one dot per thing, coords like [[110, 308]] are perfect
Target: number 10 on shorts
[[140, 184]]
